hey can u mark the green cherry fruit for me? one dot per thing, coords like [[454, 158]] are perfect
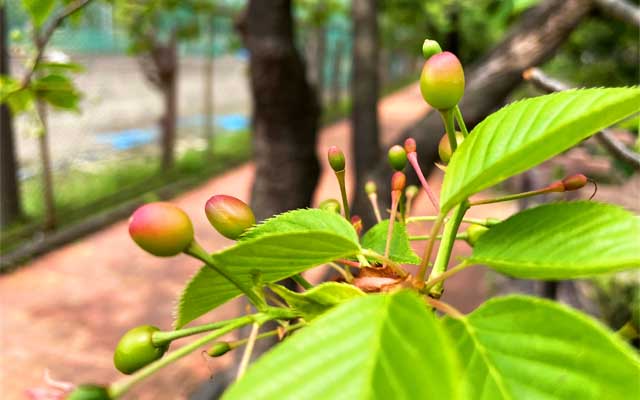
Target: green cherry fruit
[[397, 157], [229, 216], [336, 158], [89, 392], [444, 147], [136, 349], [430, 48], [219, 349], [161, 229], [474, 231], [442, 81], [331, 205], [370, 187], [411, 191]]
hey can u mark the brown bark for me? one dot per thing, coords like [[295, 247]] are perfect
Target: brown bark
[[50, 219], [532, 41], [208, 110], [285, 111], [10, 209], [336, 89], [365, 92]]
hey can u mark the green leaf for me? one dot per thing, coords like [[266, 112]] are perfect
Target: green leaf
[[319, 299], [58, 90], [562, 240], [526, 133], [400, 251], [282, 246], [39, 10], [521, 347], [374, 347]]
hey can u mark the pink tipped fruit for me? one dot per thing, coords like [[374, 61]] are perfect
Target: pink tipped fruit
[[229, 216], [574, 182], [336, 158], [161, 229], [412, 156], [442, 81]]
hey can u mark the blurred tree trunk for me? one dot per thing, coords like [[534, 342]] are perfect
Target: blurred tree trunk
[[531, 41], [208, 110], [336, 88], [48, 198], [160, 67], [365, 91], [285, 111], [10, 209], [321, 50]]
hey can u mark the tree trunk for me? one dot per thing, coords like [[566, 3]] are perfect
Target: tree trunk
[[336, 88], [169, 76], [208, 110], [10, 209], [285, 111], [321, 50], [50, 219], [532, 41], [365, 88]]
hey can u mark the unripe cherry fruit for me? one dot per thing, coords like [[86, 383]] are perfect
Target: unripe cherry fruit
[[411, 191], [136, 349], [398, 181], [219, 349], [444, 147], [474, 231], [442, 81], [370, 187], [89, 392], [229, 215], [161, 228], [410, 145], [430, 48], [574, 182], [331, 205], [356, 221], [397, 157], [336, 158]]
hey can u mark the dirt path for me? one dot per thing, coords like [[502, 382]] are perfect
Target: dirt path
[[66, 311]]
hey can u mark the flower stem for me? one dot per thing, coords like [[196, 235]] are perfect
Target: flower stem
[[413, 160], [392, 218], [342, 271], [120, 387], [248, 350], [287, 329], [515, 196], [397, 268], [373, 199], [447, 119], [444, 307], [445, 275], [343, 193], [460, 120], [446, 246], [476, 221], [299, 279], [195, 250], [435, 229], [160, 338], [459, 236]]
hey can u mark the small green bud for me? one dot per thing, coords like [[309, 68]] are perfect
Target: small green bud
[[411, 191], [398, 181], [574, 182], [442, 81], [430, 48], [397, 157], [474, 231], [136, 349], [370, 187], [444, 147], [161, 228], [219, 349], [89, 392], [336, 158], [332, 205], [230, 216]]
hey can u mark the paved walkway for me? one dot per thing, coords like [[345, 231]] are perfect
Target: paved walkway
[[66, 310]]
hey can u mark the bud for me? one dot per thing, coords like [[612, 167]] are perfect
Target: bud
[[370, 187], [136, 349], [89, 392], [474, 231], [230, 216], [332, 205], [574, 182], [444, 148], [397, 157], [430, 48], [411, 191], [356, 221], [336, 158], [442, 81], [410, 145], [398, 181], [161, 228], [219, 349]]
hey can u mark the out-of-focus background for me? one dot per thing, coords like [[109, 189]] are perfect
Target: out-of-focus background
[[110, 104]]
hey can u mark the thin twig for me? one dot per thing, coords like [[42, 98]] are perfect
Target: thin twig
[[444, 307], [251, 341]]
